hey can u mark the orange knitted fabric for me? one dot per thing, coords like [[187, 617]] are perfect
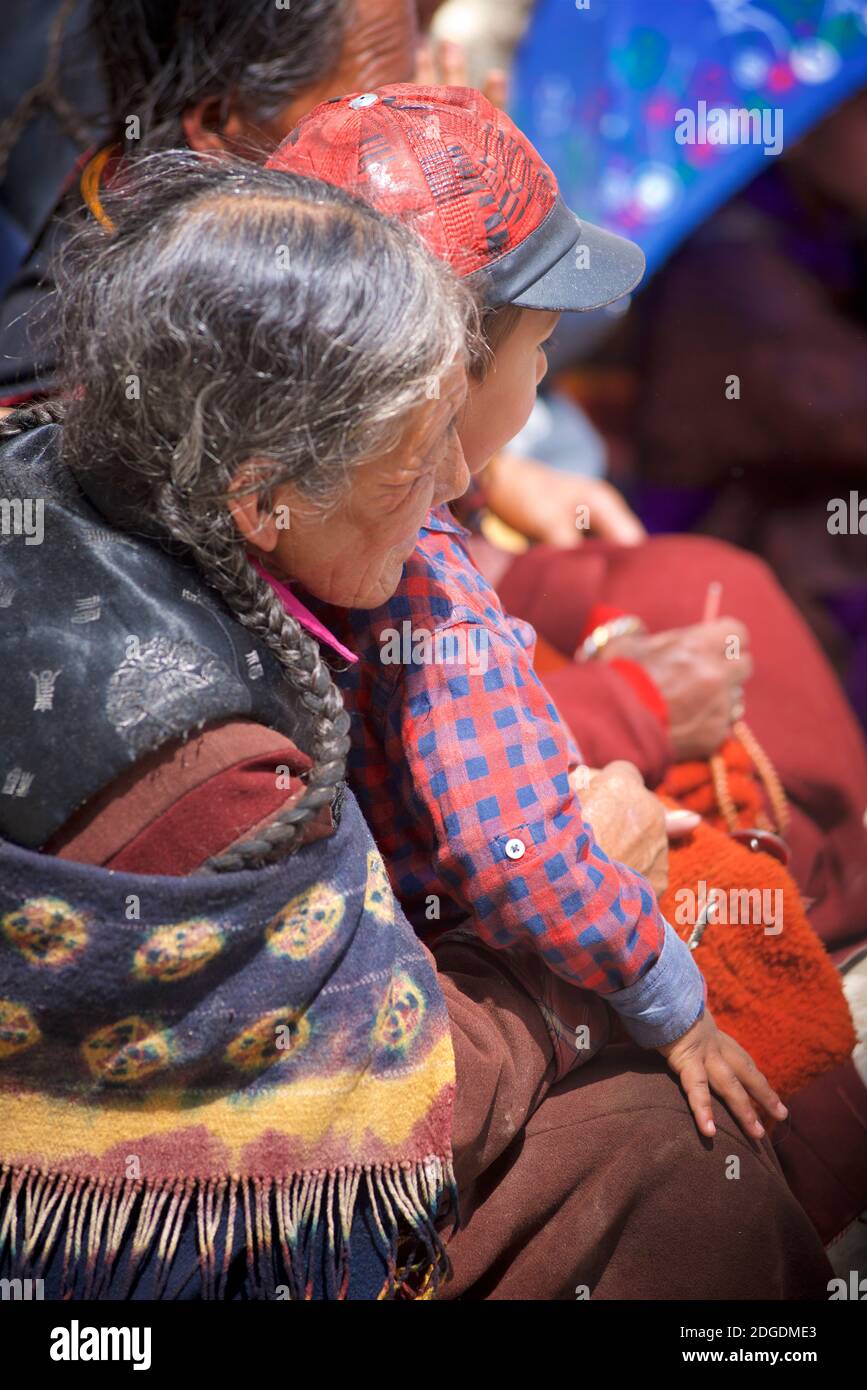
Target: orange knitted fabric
[[778, 995], [691, 786]]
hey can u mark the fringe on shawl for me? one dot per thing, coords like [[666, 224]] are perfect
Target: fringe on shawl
[[282, 1220]]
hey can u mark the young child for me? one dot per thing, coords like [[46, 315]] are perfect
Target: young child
[[460, 760]]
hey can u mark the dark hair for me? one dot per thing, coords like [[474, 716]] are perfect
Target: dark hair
[[161, 56], [495, 326], [261, 315]]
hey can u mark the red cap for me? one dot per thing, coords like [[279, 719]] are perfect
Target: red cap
[[458, 171]]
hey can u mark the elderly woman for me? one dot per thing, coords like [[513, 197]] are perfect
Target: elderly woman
[[227, 1066]]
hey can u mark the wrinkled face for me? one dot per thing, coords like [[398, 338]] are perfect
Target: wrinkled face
[[378, 48], [352, 555], [500, 406]]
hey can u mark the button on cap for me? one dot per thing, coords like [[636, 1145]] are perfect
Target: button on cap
[[366, 99]]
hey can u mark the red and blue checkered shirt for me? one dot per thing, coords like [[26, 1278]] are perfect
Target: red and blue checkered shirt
[[461, 767]]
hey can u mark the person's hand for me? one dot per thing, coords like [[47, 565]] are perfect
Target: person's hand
[[543, 503], [700, 673], [706, 1059], [445, 65], [628, 822]]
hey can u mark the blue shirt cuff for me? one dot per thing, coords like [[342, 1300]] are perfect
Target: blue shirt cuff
[[668, 1000]]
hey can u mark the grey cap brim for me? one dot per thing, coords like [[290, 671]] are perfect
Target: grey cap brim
[[566, 264]]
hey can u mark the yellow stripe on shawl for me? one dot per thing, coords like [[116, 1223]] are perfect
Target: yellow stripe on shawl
[[388, 1108]]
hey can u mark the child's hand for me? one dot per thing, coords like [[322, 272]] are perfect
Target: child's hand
[[704, 1058], [542, 502]]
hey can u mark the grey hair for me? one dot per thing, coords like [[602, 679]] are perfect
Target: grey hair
[[261, 315]]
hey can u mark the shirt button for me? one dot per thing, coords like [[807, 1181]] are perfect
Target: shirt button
[[515, 848], [366, 99]]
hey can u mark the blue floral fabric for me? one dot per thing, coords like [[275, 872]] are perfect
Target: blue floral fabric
[[598, 88]]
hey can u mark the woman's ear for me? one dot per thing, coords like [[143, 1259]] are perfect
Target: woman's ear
[[257, 524], [215, 126], [220, 126]]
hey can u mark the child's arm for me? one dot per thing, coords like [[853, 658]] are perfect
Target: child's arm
[[482, 752], [487, 760]]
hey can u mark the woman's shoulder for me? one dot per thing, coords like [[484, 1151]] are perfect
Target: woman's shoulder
[[110, 647]]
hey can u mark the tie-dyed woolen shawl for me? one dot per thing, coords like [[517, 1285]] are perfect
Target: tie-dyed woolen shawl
[[177, 1050]]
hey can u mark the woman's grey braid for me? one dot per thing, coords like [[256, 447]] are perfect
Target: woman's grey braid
[[30, 417], [254, 603]]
